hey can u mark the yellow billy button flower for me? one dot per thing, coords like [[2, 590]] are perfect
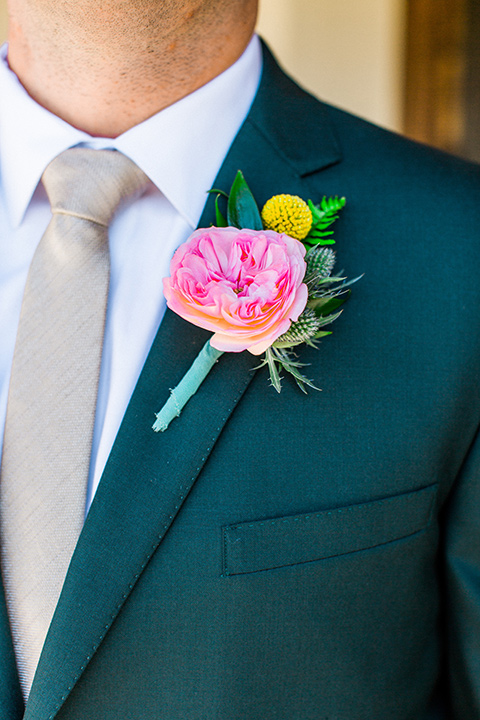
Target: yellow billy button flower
[[287, 214]]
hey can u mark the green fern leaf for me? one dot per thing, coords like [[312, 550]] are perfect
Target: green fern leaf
[[326, 213]]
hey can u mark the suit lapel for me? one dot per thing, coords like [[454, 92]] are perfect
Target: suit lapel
[[148, 475], [146, 480], [11, 701]]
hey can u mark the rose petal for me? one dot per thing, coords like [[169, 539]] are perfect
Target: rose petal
[[243, 285]]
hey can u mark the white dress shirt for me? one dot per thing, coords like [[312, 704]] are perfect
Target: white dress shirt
[[181, 150]]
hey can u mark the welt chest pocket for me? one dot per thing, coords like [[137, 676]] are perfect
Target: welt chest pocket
[[279, 542]]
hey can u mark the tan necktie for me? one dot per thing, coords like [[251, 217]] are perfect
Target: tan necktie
[[53, 390]]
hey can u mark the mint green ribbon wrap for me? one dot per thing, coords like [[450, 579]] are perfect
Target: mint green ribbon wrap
[[187, 387]]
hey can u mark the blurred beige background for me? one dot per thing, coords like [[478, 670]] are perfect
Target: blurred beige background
[[3, 19], [348, 52]]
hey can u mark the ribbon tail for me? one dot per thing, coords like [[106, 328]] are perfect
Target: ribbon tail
[[187, 387]]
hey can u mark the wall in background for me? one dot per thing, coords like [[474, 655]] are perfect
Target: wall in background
[[471, 139], [436, 63], [442, 92], [3, 20], [347, 52]]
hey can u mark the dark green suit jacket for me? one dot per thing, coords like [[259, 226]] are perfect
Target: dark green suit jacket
[[297, 557]]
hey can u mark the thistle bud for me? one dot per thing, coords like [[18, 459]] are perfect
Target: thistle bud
[[302, 330], [320, 262]]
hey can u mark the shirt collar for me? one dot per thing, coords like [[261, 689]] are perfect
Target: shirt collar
[[181, 148]]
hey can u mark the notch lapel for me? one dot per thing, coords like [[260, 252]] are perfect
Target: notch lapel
[[145, 482], [11, 701], [148, 475]]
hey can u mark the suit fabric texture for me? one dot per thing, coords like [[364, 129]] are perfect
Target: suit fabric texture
[[310, 557]]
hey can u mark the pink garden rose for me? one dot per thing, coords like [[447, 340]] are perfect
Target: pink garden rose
[[243, 285]]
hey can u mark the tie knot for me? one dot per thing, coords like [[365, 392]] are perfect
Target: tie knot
[[90, 183]]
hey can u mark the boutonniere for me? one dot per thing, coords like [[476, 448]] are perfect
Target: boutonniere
[[259, 281]]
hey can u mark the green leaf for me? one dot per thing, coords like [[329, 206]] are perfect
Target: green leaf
[[243, 211], [318, 303], [329, 319], [271, 361], [319, 233], [318, 241], [332, 205], [323, 216], [317, 214], [283, 345], [220, 220], [330, 305]]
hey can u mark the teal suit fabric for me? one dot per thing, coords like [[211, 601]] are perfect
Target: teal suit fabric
[[310, 557]]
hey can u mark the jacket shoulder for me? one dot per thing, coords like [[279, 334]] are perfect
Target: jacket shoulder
[[315, 134], [384, 150]]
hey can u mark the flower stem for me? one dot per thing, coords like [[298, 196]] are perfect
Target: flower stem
[[187, 387]]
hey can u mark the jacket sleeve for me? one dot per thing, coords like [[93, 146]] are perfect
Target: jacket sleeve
[[462, 548]]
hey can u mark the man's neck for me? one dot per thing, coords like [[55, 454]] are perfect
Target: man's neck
[[105, 67]]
